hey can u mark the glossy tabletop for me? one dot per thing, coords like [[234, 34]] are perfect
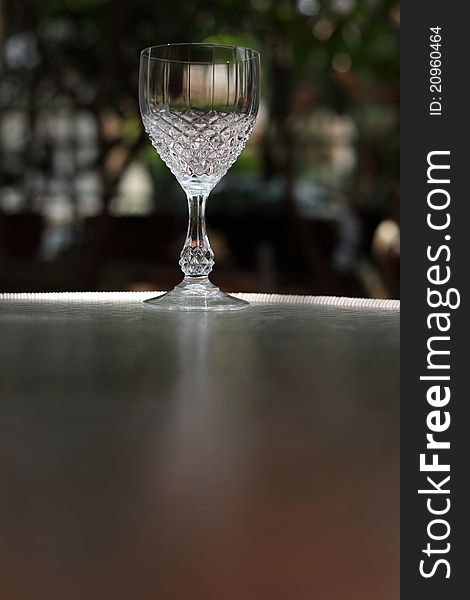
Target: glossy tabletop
[[168, 456]]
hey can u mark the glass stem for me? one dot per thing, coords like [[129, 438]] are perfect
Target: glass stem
[[196, 258]]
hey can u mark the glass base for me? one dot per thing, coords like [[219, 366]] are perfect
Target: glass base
[[196, 293]]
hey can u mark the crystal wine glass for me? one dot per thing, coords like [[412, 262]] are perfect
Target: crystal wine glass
[[198, 104]]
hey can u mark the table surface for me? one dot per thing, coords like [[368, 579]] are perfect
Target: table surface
[[170, 456]]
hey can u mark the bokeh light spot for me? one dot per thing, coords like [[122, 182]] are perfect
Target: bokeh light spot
[[322, 30], [341, 62]]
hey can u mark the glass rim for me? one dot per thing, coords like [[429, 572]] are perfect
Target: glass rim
[[148, 52]]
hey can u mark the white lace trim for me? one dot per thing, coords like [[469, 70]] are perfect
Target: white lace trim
[[342, 302]]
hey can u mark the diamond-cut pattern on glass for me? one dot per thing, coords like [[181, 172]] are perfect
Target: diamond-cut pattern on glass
[[196, 262], [198, 144]]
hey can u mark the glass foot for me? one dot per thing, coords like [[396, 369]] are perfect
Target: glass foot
[[196, 293]]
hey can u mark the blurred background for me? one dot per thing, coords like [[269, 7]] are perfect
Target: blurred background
[[312, 204]]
